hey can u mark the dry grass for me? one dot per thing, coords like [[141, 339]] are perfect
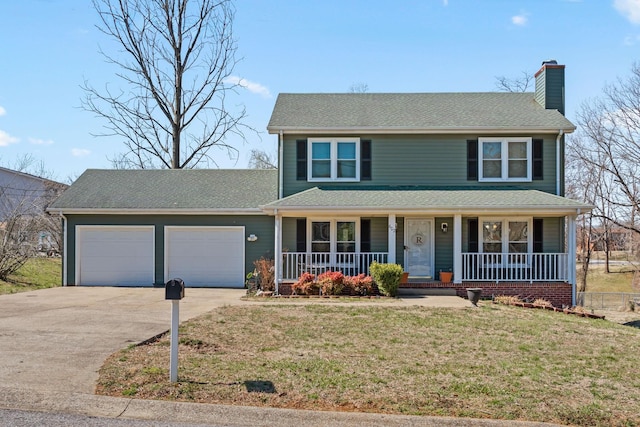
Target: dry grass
[[496, 362], [37, 273]]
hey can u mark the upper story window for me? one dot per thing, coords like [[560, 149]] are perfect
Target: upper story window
[[334, 159], [505, 159]]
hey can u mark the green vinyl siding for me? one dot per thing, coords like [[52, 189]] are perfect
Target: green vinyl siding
[[434, 160], [260, 225], [379, 234], [443, 245], [289, 243], [553, 235]]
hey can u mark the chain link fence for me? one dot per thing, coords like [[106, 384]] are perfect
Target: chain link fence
[[607, 300]]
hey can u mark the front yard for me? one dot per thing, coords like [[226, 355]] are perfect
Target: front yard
[[494, 362], [37, 273]]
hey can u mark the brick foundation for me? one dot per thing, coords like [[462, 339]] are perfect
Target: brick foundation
[[557, 293]]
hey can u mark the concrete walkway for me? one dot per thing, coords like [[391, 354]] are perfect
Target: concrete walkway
[[53, 341]]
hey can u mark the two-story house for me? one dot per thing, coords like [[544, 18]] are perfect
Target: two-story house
[[468, 183]]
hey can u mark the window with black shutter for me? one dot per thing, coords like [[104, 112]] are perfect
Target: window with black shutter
[[472, 230], [537, 235], [365, 235], [365, 160], [472, 160], [301, 235], [301, 160], [537, 159]]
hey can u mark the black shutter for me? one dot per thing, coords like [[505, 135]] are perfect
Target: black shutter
[[301, 159], [472, 160], [365, 235], [365, 160], [472, 225], [537, 235], [301, 235], [536, 163]]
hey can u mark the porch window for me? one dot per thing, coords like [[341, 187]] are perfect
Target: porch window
[[505, 159], [506, 236], [334, 159], [334, 236]]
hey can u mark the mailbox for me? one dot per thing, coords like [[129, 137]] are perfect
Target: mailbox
[[174, 289]]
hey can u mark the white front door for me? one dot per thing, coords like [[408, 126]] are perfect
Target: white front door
[[419, 247]]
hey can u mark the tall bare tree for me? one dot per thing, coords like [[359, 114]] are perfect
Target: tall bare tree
[[515, 84], [175, 61], [261, 160]]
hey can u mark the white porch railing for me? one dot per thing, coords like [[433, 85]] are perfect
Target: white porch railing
[[538, 267], [350, 264]]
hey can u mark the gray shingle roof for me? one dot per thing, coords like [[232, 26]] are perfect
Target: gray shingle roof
[[429, 112], [186, 189], [425, 199]]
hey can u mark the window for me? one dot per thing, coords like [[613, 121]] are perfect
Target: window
[[334, 236], [505, 159], [505, 235], [334, 159]]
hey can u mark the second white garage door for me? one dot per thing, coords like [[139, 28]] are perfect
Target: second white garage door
[[205, 256]]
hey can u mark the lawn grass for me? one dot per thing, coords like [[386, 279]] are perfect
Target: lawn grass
[[493, 362], [37, 273]]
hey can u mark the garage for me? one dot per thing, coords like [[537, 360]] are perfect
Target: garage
[[205, 256], [115, 255]]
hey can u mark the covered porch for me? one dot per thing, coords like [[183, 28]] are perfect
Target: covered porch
[[481, 236]]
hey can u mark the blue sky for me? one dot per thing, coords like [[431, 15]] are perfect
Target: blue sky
[[50, 47]]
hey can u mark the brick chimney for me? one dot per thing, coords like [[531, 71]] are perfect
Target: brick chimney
[[550, 85]]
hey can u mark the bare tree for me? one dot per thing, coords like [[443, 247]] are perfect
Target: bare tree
[[176, 63], [517, 84], [359, 88], [261, 160]]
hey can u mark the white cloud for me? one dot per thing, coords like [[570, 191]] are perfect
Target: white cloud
[[630, 9], [2, 111], [249, 85], [38, 141], [519, 20], [80, 152], [6, 139], [632, 40]]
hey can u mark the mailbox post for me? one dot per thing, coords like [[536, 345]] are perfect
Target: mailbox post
[[174, 291]]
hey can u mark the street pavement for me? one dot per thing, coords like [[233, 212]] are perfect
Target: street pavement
[[54, 341]]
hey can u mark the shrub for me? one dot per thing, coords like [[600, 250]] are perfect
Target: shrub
[[331, 282], [306, 285], [542, 302], [387, 277], [264, 270], [360, 284]]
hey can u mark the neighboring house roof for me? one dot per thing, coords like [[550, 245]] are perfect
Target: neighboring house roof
[[414, 113], [180, 191], [430, 200]]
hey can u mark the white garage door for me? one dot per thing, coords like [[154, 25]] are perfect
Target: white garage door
[[205, 256], [115, 255]]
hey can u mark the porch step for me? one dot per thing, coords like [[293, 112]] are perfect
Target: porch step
[[426, 291]]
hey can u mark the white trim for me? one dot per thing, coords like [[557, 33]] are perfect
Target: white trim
[[457, 248], [333, 158], [78, 246], [391, 238], [504, 152], [277, 265], [177, 211], [65, 250], [458, 130], [333, 242]]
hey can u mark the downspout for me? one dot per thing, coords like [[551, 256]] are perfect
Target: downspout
[[558, 162], [280, 144], [64, 249], [277, 264]]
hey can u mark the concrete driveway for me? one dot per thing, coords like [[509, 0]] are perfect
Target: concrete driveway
[[57, 339]]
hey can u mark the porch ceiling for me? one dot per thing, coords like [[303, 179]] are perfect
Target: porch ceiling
[[414, 199]]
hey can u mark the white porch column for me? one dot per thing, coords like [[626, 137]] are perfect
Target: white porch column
[[457, 248], [571, 254], [277, 262], [391, 247]]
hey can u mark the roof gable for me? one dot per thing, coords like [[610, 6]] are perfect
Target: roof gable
[[414, 112]]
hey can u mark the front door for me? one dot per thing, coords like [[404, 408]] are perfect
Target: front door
[[419, 247]]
